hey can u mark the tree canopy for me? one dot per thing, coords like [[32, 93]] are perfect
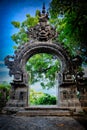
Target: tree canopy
[[43, 68], [70, 19]]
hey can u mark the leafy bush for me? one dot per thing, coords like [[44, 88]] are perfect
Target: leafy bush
[[46, 99], [4, 94], [39, 98], [5, 87]]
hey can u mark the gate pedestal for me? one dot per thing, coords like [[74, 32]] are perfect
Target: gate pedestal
[[68, 96], [18, 97]]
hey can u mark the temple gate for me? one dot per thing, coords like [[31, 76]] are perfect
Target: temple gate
[[42, 40]]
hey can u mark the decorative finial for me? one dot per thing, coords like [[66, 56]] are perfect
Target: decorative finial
[[43, 9]]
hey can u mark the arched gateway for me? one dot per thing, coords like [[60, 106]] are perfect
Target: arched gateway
[[42, 40]]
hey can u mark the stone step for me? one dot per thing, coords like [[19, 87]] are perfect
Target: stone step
[[44, 113], [49, 108]]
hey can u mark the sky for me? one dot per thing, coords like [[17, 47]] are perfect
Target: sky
[[13, 10]]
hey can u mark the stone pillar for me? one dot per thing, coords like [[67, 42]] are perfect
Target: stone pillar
[[18, 96], [68, 95]]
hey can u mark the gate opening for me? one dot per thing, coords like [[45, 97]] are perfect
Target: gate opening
[[43, 69]]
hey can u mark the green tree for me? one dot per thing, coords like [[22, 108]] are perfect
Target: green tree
[[47, 99], [42, 68], [21, 36], [70, 19]]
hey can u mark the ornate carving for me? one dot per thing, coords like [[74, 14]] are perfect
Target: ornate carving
[[14, 67], [17, 64], [9, 63], [42, 31]]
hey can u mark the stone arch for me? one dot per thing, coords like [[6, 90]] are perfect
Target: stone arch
[[54, 49], [17, 67], [42, 39], [29, 49]]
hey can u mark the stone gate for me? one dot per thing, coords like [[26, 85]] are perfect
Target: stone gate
[[42, 40]]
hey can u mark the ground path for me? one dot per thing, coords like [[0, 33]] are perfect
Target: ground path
[[10, 122]]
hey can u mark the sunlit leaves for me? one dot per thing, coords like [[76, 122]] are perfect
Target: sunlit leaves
[[42, 68], [39, 98], [34, 96], [21, 36], [30, 21], [16, 24]]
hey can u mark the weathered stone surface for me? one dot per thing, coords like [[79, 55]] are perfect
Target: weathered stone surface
[[68, 96], [18, 96], [46, 111], [42, 123]]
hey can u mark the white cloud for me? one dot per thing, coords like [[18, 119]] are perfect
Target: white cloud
[[4, 69], [4, 73], [37, 87], [6, 78], [1, 62]]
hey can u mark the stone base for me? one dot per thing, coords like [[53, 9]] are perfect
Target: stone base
[[45, 111], [18, 95], [16, 103], [68, 96], [12, 110]]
